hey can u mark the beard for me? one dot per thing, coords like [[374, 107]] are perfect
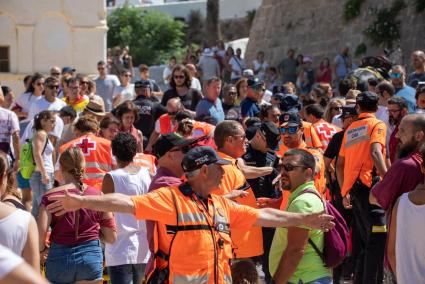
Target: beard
[[393, 121], [403, 150]]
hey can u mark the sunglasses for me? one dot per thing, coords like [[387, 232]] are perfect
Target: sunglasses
[[395, 75], [290, 167], [83, 82], [179, 77], [289, 130], [55, 74], [39, 84], [53, 86], [232, 93], [127, 75], [336, 108]]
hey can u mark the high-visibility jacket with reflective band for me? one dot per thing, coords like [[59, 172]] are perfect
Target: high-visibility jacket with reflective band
[[247, 243], [97, 154], [199, 235], [310, 136], [325, 131], [355, 149], [147, 161]]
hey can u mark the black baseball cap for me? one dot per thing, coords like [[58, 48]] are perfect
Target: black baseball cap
[[278, 96], [142, 84], [290, 119], [254, 83], [199, 156], [270, 132], [68, 69], [169, 141], [290, 102], [348, 110], [367, 98]]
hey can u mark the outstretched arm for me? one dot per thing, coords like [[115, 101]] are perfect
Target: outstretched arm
[[114, 202], [270, 217]]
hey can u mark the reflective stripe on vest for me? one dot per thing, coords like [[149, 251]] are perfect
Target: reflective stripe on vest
[[187, 279], [101, 166]]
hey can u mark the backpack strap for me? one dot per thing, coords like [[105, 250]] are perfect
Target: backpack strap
[[310, 241]]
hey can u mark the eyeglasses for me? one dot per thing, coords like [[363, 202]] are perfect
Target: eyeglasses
[[53, 86], [289, 130], [290, 167], [393, 110], [179, 77], [336, 108]]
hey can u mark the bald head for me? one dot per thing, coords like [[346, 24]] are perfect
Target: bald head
[[174, 105], [418, 61]]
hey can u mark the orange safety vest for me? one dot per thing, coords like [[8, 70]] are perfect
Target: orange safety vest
[[97, 154], [310, 136], [325, 131], [146, 161], [247, 243], [355, 149], [320, 177], [283, 148], [195, 244], [165, 125]]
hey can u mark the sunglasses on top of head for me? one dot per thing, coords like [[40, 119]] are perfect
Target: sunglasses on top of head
[[289, 130]]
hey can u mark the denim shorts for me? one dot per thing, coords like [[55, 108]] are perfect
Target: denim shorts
[[68, 264], [127, 273], [23, 183], [39, 189]]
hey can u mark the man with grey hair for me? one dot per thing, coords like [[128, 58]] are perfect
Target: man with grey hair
[[417, 60], [398, 79]]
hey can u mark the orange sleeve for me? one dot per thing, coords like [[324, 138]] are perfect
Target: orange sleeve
[[242, 216], [156, 206], [379, 134], [315, 140]]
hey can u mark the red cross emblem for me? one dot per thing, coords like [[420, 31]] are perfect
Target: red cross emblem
[[86, 146], [325, 130]]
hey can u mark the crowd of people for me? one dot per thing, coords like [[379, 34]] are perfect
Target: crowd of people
[[222, 177]]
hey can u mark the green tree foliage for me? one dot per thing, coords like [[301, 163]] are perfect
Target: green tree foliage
[[420, 5], [385, 28], [152, 36], [352, 9]]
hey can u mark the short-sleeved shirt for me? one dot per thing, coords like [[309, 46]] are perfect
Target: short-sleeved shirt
[[356, 144], [334, 146], [105, 88], [9, 124], [408, 93], [127, 93], [25, 102], [288, 68], [341, 65], [250, 108], [232, 112], [149, 112], [311, 266], [403, 176], [207, 108], [64, 228], [415, 78], [190, 100], [237, 64], [43, 104]]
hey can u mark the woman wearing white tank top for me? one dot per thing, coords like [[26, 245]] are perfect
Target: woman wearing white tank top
[[126, 258], [406, 247], [18, 229]]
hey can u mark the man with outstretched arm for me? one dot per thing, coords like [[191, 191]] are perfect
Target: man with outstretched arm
[[198, 223]]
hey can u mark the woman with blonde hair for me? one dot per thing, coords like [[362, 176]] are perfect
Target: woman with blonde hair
[[241, 90], [75, 254], [333, 109]]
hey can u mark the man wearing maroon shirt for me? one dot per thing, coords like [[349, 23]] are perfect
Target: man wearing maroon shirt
[[406, 173]]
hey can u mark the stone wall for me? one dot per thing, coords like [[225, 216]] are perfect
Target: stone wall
[[317, 28], [41, 34]]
